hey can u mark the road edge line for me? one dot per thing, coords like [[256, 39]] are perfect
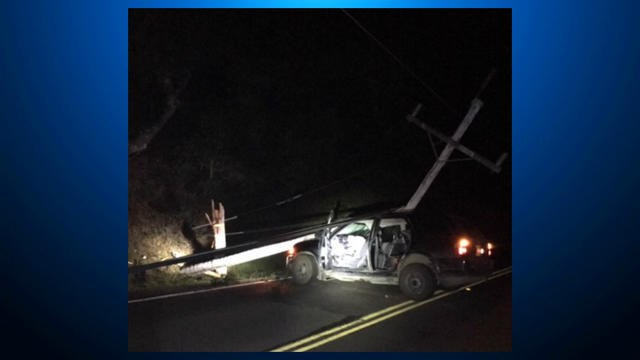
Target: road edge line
[[185, 293]]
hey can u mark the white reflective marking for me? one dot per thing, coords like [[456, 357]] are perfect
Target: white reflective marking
[[200, 291]]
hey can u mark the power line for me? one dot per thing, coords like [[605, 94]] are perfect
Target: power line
[[308, 192], [402, 64], [294, 197]]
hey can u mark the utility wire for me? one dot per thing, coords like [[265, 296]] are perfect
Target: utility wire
[[294, 197], [403, 65], [308, 192]]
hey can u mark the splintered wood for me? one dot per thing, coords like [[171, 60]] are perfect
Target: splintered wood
[[219, 237]]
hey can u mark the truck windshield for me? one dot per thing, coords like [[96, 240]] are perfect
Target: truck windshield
[[359, 228]]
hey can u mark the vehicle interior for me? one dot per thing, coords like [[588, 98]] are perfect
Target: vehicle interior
[[349, 247], [390, 243], [354, 247]]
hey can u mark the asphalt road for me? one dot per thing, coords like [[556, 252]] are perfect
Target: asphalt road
[[326, 316]]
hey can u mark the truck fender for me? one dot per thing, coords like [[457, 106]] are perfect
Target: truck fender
[[417, 258]]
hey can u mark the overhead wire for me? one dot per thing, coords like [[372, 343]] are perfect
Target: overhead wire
[[294, 197], [401, 63], [320, 188], [305, 193]]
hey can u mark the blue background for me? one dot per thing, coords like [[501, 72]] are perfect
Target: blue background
[[63, 81]]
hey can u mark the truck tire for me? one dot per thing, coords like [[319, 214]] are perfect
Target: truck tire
[[303, 269], [417, 281]]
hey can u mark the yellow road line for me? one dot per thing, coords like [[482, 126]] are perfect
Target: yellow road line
[[395, 313], [500, 273], [507, 269], [336, 329]]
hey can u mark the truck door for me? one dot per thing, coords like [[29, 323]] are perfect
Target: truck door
[[348, 247], [394, 238]]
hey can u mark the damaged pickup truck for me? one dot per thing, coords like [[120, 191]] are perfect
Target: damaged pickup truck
[[384, 250]]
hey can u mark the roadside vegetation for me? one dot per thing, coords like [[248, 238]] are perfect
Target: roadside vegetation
[[161, 281]]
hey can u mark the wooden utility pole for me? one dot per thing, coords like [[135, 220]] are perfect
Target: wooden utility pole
[[495, 167], [453, 143], [476, 104]]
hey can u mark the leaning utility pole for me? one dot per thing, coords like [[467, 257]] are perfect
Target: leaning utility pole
[[452, 144]]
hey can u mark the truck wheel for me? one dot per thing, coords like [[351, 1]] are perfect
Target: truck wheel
[[303, 269], [417, 281]]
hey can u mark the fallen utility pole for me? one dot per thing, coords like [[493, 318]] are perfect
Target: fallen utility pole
[[245, 256], [219, 257]]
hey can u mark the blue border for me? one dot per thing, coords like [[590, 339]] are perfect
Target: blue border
[[64, 111]]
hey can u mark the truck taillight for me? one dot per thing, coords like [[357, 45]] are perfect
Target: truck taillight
[[463, 244], [490, 247]]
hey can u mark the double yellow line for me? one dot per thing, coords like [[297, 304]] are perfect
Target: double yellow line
[[324, 337], [362, 320]]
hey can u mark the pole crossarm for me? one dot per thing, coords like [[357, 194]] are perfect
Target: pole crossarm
[[476, 104], [495, 167]]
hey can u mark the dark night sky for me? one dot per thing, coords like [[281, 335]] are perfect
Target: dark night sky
[[295, 99]]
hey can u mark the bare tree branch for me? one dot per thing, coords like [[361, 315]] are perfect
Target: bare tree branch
[[142, 141]]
